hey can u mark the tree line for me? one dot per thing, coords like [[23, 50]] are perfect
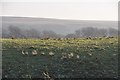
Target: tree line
[[16, 32]]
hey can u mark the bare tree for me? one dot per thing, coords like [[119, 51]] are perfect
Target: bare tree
[[15, 32], [32, 33], [50, 34], [70, 36], [112, 32], [78, 33], [103, 32], [5, 33], [88, 32]]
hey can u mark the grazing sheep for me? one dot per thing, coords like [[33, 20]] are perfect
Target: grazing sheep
[[64, 56], [104, 36], [74, 38], [88, 38], [70, 55], [54, 39], [60, 39], [66, 38], [24, 52], [51, 54], [108, 37], [78, 56], [47, 38], [12, 38], [100, 38], [42, 53], [111, 37], [89, 54], [34, 53]]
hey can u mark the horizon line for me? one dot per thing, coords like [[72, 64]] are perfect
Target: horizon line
[[55, 18]]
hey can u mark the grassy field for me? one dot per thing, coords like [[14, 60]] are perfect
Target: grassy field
[[70, 58]]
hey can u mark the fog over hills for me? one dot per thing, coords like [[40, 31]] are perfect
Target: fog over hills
[[60, 26]]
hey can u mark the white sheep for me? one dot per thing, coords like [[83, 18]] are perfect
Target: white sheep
[[24, 52], [51, 53], [34, 53]]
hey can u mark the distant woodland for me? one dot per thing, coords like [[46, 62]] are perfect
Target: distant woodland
[[16, 32]]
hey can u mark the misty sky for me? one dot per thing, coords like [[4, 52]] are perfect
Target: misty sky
[[62, 9]]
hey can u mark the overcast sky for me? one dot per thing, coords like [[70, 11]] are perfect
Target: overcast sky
[[62, 9]]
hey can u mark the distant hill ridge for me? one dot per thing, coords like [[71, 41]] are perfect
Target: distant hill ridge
[[62, 26]]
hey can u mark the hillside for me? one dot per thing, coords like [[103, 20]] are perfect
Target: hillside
[[56, 25]]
